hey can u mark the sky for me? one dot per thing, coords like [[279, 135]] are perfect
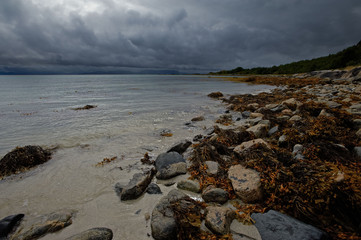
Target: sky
[[188, 36]]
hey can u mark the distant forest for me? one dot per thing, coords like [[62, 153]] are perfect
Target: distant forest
[[348, 57]]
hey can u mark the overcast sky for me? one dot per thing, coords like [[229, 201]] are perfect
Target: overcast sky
[[185, 35]]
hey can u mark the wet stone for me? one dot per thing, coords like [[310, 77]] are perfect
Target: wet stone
[[153, 189], [7, 224], [180, 147], [272, 131], [172, 170], [34, 228], [94, 234], [136, 187], [166, 159]]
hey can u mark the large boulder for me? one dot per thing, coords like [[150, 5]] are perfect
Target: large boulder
[[94, 234], [34, 228], [218, 219], [277, 226], [246, 183], [166, 159], [163, 224], [7, 224], [21, 159], [180, 147], [137, 185]]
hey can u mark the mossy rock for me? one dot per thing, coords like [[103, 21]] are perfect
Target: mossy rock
[[21, 159]]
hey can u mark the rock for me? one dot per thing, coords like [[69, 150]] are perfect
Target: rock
[[253, 121], [277, 226], [215, 95], [7, 224], [253, 106], [180, 147], [94, 234], [249, 144], [212, 167], [246, 114], [137, 185], [197, 119], [282, 140], [213, 194], [357, 151], [291, 103], [241, 231], [272, 131], [153, 189], [86, 107], [357, 123], [259, 130], [358, 133], [218, 219], [21, 159], [166, 159], [355, 109], [332, 104], [270, 106], [246, 183], [209, 131], [298, 148], [287, 112], [163, 224], [189, 185], [256, 115], [324, 113], [34, 228], [172, 170], [265, 122], [165, 132], [198, 138], [296, 118], [283, 118]]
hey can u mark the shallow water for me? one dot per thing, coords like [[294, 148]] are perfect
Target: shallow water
[[131, 111]]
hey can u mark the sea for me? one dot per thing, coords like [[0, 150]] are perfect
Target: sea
[[131, 112]]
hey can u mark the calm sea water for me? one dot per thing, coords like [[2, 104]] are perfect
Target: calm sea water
[[131, 111]]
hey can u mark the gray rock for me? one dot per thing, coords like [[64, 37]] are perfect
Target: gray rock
[[355, 109], [265, 122], [357, 123], [166, 159], [358, 133], [180, 147], [253, 121], [246, 183], [137, 185], [277, 226], [272, 131], [209, 131], [249, 144], [246, 114], [218, 219], [172, 170], [7, 224], [34, 228], [296, 118], [153, 189], [325, 113], [332, 104], [94, 234], [217, 195], [357, 150], [163, 224], [197, 119], [189, 185], [241, 231], [259, 130], [212, 167], [282, 140]]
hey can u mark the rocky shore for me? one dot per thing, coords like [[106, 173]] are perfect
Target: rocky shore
[[278, 165]]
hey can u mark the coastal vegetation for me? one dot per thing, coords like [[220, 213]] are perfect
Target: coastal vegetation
[[350, 56]]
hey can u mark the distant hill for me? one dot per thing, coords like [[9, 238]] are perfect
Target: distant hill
[[348, 57]]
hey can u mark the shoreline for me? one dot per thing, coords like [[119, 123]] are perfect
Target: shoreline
[[310, 111]]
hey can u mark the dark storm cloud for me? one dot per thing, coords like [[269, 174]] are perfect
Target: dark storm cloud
[[79, 35]]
